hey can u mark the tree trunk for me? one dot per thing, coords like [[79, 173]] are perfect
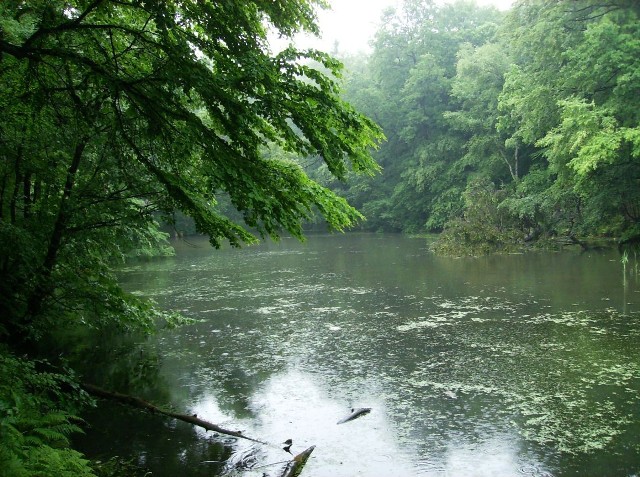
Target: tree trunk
[[26, 195], [17, 180], [43, 286], [513, 169], [515, 161]]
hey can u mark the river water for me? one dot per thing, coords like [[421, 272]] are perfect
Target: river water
[[515, 365]]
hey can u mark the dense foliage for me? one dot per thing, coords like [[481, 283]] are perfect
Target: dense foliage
[[35, 423], [116, 111], [539, 103]]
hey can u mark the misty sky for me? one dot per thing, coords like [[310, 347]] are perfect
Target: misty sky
[[352, 23]]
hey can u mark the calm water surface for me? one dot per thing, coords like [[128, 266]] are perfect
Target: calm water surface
[[517, 365]]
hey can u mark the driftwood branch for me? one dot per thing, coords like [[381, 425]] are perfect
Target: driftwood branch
[[141, 403], [294, 467], [355, 413]]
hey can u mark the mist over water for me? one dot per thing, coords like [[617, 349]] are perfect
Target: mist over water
[[516, 365]]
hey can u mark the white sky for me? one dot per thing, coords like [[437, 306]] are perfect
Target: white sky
[[352, 23]]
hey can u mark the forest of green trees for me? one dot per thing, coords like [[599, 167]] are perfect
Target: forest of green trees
[[114, 112], [501, 127]]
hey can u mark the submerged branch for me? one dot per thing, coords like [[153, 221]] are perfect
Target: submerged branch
[[141, 403], [294, 467]]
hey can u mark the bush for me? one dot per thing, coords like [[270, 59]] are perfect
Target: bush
[[485, 227], [36, 420]]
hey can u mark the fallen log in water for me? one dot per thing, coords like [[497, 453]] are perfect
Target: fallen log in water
[[294, 467], [141, 403], [361, 411]]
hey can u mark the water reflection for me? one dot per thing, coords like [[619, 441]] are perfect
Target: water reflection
[[292, 405], [516, 365], [497, 455]]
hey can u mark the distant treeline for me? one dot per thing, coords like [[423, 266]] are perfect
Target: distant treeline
[[502, 126]]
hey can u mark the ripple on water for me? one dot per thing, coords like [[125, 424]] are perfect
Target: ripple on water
[[572, 409], [456, 378]]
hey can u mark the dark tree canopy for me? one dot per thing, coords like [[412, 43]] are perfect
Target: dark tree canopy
[[115, 109]]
